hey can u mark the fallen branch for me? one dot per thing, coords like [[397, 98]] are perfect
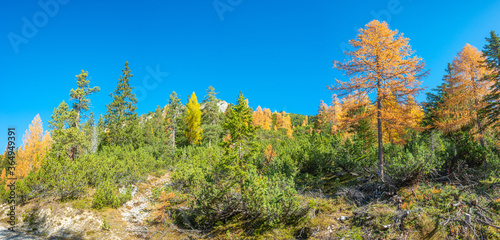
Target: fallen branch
[[485, 223]]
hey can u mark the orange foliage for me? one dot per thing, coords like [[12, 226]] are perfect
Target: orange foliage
[[382, 63], [165, 202], [329, 116], [464, 90], [227, 138], [411, 113], [283, 122], [35, 146], [3, 176], [262, 117], [351, 104], [269, 153], [305, 122]]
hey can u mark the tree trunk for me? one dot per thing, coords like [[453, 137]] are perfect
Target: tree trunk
[[380, 144], [379, 126], [77, 122], [432, 142], [173, 138], [209, 143], [481, 133], [478, 121]]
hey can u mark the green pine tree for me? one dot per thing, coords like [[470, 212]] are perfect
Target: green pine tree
[[68, 140], [492, 53], [434, 100], [238, 123], [211, 118], [174, 114], [79, 96], [155, 133], [122, 122], [89, 130]]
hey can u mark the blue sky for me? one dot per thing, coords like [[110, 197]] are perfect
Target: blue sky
[[278, 53]]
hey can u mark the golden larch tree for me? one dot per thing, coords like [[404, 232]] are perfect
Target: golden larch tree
[[283, 121], [35, 145], [352, 105], [258, 117], [193, 120], [324, 117], [382, 63], [411, 113], [329, 116], [262, 118], [305, 122], [464, 92], [268, 120]]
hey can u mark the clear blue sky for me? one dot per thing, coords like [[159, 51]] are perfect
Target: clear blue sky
[[278, 53]]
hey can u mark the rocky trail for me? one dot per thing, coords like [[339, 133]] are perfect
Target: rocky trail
[[43, 219]]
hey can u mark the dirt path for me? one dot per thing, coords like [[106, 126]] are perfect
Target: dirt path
[[138, 209], [62, 220]]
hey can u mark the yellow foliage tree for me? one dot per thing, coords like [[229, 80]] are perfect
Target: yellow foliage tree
[[324, 117], [193, 120], [464, 92], [269, 153], [351, 105], [35, 146], [3, 176], [411, 113], [382, 63], [283, 121], [262, 117], [329, 116], [305, 122]]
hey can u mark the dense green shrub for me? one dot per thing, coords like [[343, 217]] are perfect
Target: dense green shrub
[[412, 162], [62, 177], [351, 156], [122, 164], [107, 169], [258, 200], [193, 164], [463, 147], [107, 195], [223, 190]]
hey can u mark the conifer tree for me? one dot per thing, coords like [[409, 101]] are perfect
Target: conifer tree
[[465, 91], [69, 141], [491, 52], [238, 123], [435, 100], [35, 145], [174, 114], [121, 118], [193, 120], [305, 122], [211, 117], [155, 132], [91, 133], [80, 96], [258, 117], [100, 127], [263, 118], [382, 63]]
